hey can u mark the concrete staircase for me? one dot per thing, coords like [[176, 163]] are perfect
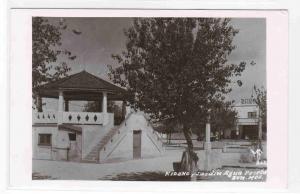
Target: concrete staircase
[[93, 155], [112, 142]]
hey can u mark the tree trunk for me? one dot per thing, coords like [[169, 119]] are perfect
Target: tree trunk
[[188, 138], [169, 137], [123, 110], [259, 125], [190, 157]]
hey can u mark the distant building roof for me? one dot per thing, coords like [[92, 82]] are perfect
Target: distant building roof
[[81, 86]]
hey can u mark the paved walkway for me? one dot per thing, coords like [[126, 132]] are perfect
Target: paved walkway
[[91, 171]]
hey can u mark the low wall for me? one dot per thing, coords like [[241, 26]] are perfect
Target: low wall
[[215, 158]]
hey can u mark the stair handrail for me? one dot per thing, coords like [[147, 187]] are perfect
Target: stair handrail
[[158, 137]]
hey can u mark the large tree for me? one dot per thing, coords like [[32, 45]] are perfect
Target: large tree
[[176, 68], [46, 48]]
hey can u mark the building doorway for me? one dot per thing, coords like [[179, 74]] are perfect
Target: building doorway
[[137, 144], [250, 132], [74, 153]]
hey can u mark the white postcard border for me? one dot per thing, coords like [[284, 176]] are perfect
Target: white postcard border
[[20, 102]]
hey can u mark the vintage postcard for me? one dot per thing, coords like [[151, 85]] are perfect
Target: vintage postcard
[[118, 95]]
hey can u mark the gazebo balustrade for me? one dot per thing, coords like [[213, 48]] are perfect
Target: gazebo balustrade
[[45, 117], [63, 116], [52, 117], [85, 118]]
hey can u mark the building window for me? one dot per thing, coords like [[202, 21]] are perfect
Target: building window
[[252, 115], [45, 139], [72, 136]]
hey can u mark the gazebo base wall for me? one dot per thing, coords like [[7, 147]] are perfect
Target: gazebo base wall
[[59, 146]]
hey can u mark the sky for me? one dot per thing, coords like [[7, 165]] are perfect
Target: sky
[[102, 37]]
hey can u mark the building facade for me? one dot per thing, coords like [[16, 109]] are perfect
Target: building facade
[[247, 123]]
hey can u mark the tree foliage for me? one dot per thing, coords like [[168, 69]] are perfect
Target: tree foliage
[[46, 48], [176, 68], [223, 116]]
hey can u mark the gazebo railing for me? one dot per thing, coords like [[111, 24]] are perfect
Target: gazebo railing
[[83, 118], [45, 117], [49, 117]]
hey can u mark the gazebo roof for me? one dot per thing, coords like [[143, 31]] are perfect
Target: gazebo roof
[[81, 86]]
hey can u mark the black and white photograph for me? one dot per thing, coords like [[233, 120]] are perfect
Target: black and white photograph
[[149, 99]]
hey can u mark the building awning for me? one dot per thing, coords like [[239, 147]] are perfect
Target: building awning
[[71, 128]]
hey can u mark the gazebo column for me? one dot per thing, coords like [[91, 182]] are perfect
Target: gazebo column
[[104, 108], [104, 102], [39, 103], [60, 107]]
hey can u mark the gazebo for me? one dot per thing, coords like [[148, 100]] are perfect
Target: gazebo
[[89, 136], [82, 86]]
